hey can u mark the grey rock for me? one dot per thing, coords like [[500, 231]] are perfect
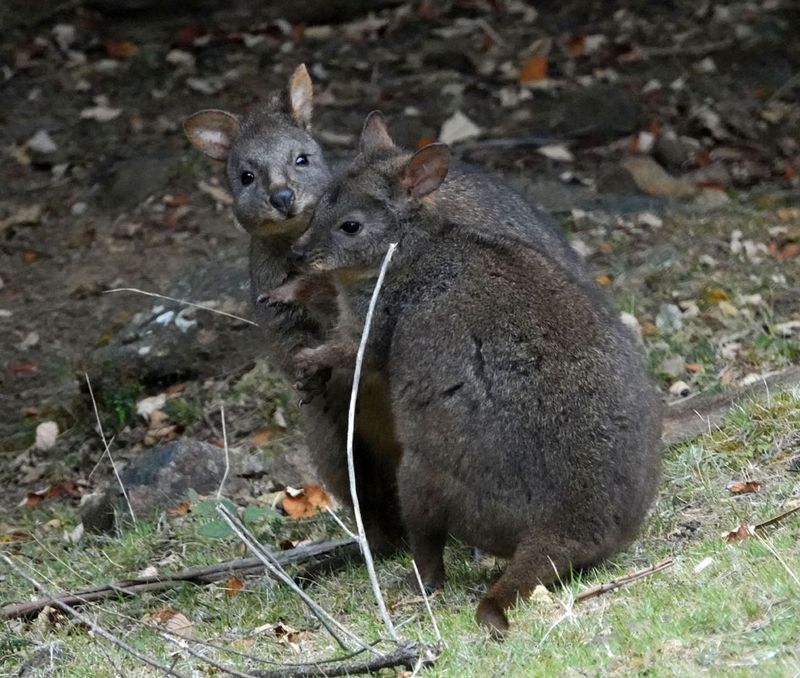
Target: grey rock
[[672, 152], [604, 112], [618, 180], [133, 180], [169, 342]]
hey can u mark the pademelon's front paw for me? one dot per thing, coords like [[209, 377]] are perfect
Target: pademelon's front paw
[[312, 372], [283, 295]]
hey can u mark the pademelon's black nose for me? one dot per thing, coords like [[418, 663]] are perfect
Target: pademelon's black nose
[[282, 200]]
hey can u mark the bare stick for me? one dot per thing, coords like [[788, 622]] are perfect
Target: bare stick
[[351, 420], [405, 655], [776, 519], [227, 455], [623, 580], [770, 548], [277, 571], [200, 575], [427, 602], [181, 301], [341, 524], [108, 451], [86, 620]]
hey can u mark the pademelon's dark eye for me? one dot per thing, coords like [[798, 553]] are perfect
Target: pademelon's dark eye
[[247, 178], [350, 227], [301, 160]]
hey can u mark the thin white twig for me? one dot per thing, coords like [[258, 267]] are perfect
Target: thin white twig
[[277, 571], [772, 550], [427, 602], [181, 301], [108, 450], [99, 630], [341, 524], [227, 454], [351, 419]]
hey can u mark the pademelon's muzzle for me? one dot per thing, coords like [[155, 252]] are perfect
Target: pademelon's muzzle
[[282, 200]]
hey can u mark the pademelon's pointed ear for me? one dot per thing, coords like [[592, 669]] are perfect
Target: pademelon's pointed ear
[[301, 95], [212, 131], [426, 170], [375, 135]]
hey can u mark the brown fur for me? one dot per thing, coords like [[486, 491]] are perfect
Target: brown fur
[[528, 426]]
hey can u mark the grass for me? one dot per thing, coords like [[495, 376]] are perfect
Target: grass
[[720, 609]]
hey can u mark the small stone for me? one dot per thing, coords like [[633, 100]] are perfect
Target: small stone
[[680, 388], [669, 318], [42, 143], [46, 434], [630, 321], [78, 209]]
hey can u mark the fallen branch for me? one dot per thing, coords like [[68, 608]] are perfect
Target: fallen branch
[[201, 575], [694, 416], [98, 630], [272, 566], [776, 519], [605, 587], [407, 655]]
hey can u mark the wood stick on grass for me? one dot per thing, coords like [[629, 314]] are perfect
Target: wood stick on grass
[[199, 575], [406, 654], [351, 420], [108, 450], [181, 301], [605, 587], [227, 454], [427, 602], [276, 570], [98, 630]]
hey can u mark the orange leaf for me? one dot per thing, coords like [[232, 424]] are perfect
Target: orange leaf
[[535, 69], [29, 257], [741, 533], [603, 280], [695, 367], [121, 48], [216, 441], [424, 141], [745, 487], [648, 328], [33, 499], [181, 508], [308, 501], [575, 45], [24, 367], [233, 586], [261, 436]]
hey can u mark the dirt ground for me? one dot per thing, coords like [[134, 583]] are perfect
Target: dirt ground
[[664, 136]]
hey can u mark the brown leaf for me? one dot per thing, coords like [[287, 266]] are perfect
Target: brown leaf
[[603, 280], [216, 441], [306, 502], [233, 586], [171, 619], [181, 508], [29, 257], [261, 436], [534, 70], [32, 500], [695, 367], [121, 48], [715, 294], [15, 535], [745, 487], [741, 533]]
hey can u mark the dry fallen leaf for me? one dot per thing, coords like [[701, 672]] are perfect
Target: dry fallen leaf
[[305, 502], [172, 620], [233, 585], [534, 70], [745, 487], [121, 48], [741, 533], [181, 508], [458, 127]]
